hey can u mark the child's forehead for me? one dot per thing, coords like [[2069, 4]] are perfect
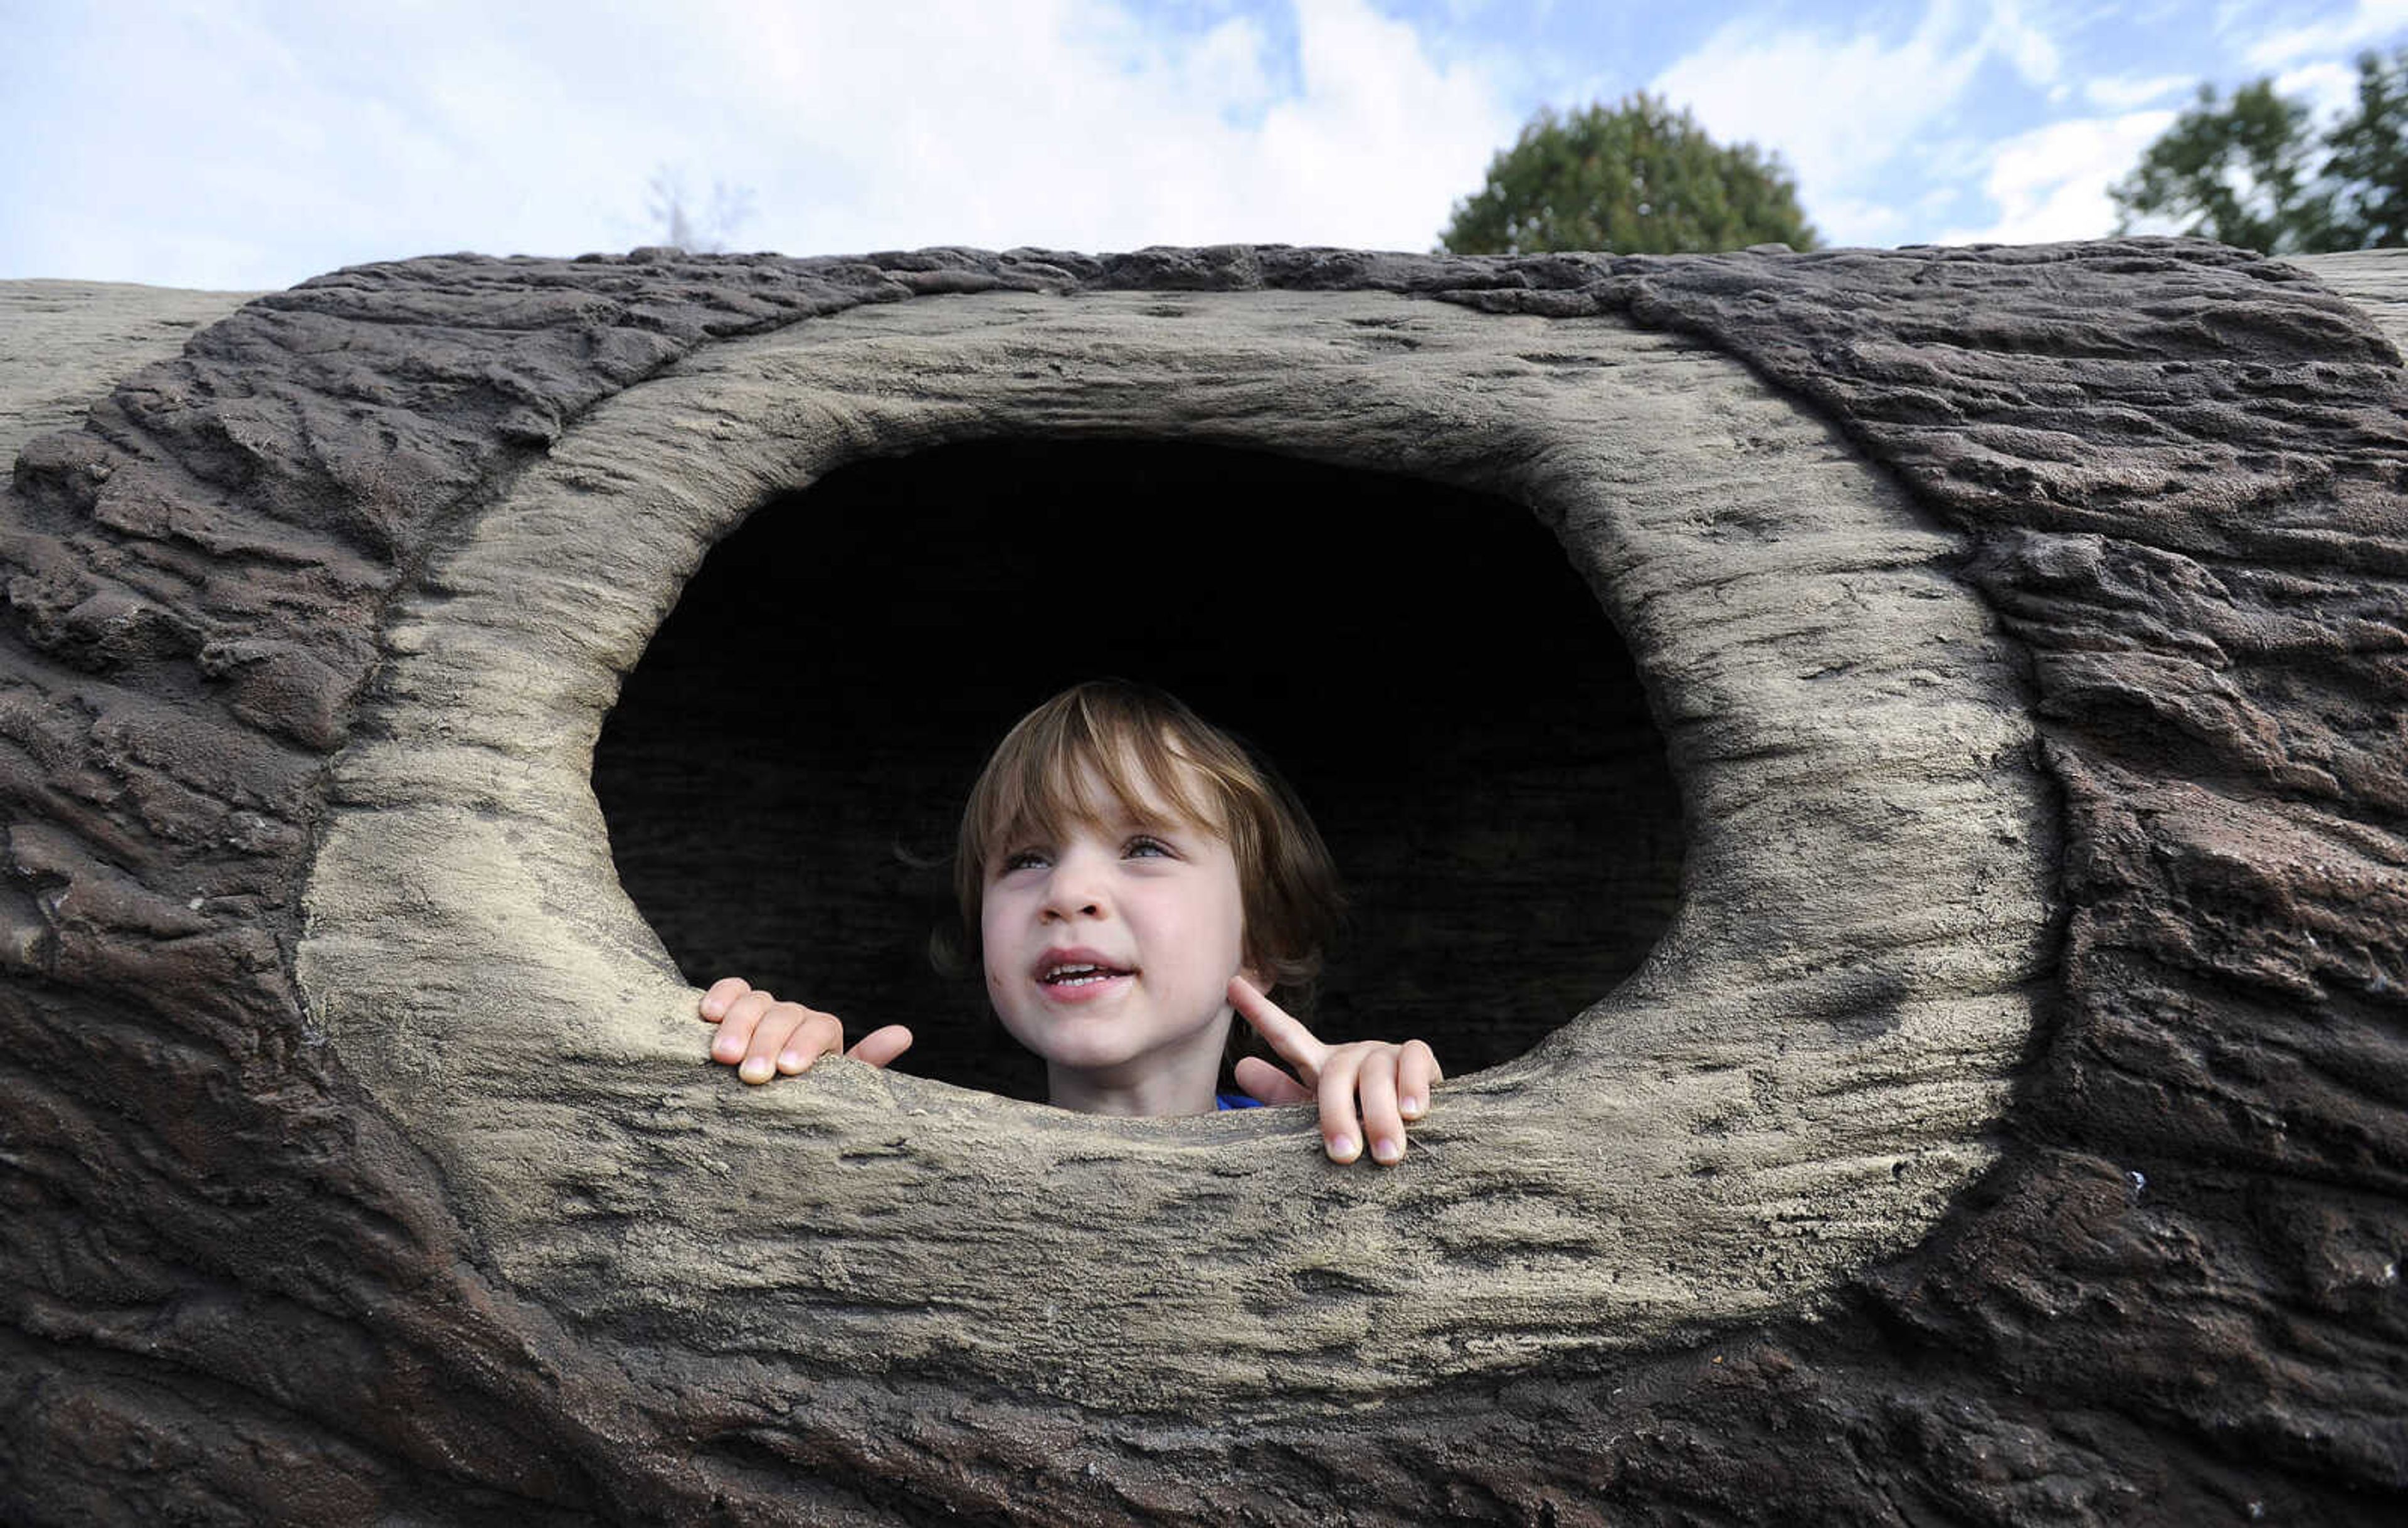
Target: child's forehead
[[1124, 793]]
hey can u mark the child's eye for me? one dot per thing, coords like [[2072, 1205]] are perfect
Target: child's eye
[[1021, 859], [1147, 845]]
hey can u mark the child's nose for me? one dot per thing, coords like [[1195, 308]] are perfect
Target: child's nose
[[1063, 909], [1075, 889]]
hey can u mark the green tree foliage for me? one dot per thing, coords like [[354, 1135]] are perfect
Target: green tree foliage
[[2369, 161], [1637, 177], [2255, 172]]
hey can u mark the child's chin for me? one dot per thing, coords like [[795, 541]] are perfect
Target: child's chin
[[1066, 1037], [1086, 1052]]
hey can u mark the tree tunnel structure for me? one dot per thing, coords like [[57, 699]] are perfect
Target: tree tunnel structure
[[846, 656], [1890, 764]]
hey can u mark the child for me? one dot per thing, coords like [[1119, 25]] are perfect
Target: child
[[1128, 878]]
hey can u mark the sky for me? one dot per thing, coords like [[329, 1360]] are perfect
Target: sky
[[250, 144]]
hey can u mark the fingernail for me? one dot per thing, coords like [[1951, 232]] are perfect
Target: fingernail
[[1412, 1108], [1386, 1150], [791, 1060], [755, 1068], [1341, 1148], [727, 1050]]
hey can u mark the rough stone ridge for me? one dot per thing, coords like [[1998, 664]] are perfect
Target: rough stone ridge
[[233, 1289], [64, 343]]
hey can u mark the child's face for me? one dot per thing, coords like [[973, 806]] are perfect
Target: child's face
[[1109, 949]]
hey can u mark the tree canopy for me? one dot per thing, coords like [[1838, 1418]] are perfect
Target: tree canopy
[[1635, 178], [2254, 171]]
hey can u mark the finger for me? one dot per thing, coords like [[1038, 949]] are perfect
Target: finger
[[879, 1046], [768, 1037], [1266, 1084], [1280, 1030], [1342, 1133], [810, 1035], [714, 1004], [1383, 1128], [735, 1031], [772, 1037], [1417, 1073]]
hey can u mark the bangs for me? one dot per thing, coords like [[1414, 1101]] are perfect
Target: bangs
[[1081, 768]]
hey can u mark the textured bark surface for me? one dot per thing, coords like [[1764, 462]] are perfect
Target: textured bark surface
[[64, 344], [239, 1286], [1801, 1075]]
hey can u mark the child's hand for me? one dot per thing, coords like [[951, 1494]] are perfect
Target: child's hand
[[761, 1037], [1392, 1082]]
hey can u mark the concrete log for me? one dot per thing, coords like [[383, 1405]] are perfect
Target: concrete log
[[2007, 1125]]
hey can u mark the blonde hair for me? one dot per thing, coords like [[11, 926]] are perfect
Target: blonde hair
[[1149, 751]]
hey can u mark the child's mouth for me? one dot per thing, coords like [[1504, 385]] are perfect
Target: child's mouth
[[1078, 973]]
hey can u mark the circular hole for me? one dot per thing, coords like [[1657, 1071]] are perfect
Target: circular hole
[[783, 772]]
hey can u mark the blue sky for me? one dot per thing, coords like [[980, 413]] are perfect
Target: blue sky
[[252, 143]]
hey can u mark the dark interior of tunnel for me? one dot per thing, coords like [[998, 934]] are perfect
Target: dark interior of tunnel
[[784, 770]]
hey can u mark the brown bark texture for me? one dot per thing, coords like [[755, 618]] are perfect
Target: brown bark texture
[[233, 1289]]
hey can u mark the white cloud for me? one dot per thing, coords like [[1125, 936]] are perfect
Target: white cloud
[[1868, 222], [1824, 103], [2329, 87], [254, 142], [1845, 111], [2368, 21], [2123, 92], [314, 138], [1381, 140], [2030, 49], [2051, 184]]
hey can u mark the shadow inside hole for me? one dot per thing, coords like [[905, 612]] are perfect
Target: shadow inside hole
[[1422, 662]]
